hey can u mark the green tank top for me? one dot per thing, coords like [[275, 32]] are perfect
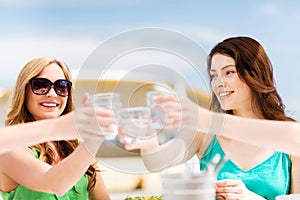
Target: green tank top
[[268, 179], [78, 192]]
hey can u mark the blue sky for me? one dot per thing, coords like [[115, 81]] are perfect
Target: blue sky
[[71, 30]]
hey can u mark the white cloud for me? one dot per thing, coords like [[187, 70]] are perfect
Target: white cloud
[[75, 50], [17, 51], [269, 9], [207, 34], [203, 34]]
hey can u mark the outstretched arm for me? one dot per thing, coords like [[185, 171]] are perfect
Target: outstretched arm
[[59, 178], [82, 122], [281, 136], [27, 134], [278, 135]]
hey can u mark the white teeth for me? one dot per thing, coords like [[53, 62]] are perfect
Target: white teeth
[[49, 104], [223, 94]]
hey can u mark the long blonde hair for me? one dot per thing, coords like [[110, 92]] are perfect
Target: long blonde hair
[[19, 113]]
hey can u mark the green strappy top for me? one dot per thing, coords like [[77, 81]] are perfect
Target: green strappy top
[[78, 192], [268, 179]]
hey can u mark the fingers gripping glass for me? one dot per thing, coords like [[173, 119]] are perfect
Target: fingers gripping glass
[[41, 86]]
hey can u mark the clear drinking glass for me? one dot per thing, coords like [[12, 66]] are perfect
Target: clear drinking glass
[[158, 114], [189, 183], [135, 123], [111, 101]]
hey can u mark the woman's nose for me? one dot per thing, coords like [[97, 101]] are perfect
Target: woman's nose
[[220, 82], [51, 92]]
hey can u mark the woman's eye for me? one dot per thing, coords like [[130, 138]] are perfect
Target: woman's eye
[[213, 76], [230, 72]]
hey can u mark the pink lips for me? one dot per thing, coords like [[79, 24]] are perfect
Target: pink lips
[[224, 95]]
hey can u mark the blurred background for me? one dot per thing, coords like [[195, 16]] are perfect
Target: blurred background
[[70, 30]]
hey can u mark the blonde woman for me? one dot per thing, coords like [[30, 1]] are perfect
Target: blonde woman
[[80, 125], [61, 169]]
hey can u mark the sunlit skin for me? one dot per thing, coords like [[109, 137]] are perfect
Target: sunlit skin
[[233, 94], [50, 105], [231, 91], [57, 176]]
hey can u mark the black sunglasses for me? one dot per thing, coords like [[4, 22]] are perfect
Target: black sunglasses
[[42, 86]]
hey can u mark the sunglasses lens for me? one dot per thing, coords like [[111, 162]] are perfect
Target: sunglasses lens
[[40, 86], [62, 87]]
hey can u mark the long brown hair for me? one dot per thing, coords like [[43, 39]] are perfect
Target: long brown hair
[[255, 69], [19, 113]]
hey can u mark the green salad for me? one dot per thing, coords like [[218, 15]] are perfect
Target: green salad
[[145, 198]]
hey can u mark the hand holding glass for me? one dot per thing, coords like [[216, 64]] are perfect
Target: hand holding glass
[[158, 115], [110, 101], [135, 123]]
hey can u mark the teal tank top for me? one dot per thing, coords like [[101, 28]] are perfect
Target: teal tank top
[[267, 179], [78, 192]]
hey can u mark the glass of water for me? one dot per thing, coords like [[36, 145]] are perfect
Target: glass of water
[[158, 115], [189, 183], [110, 101], [135, 123]]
